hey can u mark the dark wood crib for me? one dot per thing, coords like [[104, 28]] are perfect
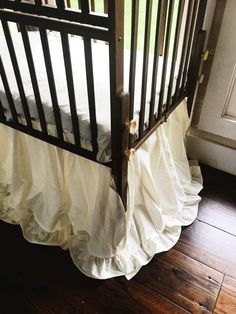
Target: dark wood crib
[[172, 33]]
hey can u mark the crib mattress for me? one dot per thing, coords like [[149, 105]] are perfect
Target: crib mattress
[[101, 81]]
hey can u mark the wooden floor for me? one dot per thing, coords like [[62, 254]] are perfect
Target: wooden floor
[[197, 276]]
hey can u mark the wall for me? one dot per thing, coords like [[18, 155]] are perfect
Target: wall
[[211, 148]]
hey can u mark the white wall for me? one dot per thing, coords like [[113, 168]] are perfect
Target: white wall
[[212, 139]]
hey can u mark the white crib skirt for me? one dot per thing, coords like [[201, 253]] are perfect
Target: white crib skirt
[[59, 198]]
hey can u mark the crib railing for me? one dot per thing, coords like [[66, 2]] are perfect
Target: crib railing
[[174, 45], [49, 18], [177, 42]]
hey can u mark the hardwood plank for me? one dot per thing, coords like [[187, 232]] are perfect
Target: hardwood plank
[[96, 297], [43, 280], [218, 205], [83, 296], [186, 282], [40, 279], [210, 246], [226, 302], [120, 296], [219, 213]]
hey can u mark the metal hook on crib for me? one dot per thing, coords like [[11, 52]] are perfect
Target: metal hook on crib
[[131, 125], [129, 153], [165, 116]]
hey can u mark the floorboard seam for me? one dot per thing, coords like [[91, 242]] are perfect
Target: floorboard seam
[[170, 301], [206, 223], [218, 293], [177, 249]]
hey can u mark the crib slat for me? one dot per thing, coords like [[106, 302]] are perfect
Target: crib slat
[[60, 4], [162, 27], [145, 65], [158, 44], [33, 76], [196, 52], [8, 92], [165, 60], [191, 32], [91, 96], [2, 115], [92, 4], [68, 3], [38, 2], [133, 54], [85, 6], [175, 51], [17, 72], [70, 87], [184, 50], [51, 82], [105, 3]]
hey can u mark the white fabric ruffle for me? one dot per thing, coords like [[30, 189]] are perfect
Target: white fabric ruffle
[[59, 198]]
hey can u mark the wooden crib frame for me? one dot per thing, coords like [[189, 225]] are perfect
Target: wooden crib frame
[[108, 28]]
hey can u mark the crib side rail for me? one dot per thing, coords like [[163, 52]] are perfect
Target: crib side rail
[[84, 21], [58, 10], [170, 54], [64, 28]]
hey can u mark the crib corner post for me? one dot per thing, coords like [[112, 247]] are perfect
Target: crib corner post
[[120, 160], [196, 53], [119, 99]]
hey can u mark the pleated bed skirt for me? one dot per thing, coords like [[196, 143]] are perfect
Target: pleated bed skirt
[[62, 199]]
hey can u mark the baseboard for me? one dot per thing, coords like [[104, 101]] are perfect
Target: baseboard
[[211, 153]]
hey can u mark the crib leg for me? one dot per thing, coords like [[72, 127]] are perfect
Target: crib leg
[[120, 160]]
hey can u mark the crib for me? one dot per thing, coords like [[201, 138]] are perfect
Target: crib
[[169, 59], [97, 80]]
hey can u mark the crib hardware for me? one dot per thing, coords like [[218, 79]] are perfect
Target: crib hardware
[[129, 153], [165, 116], [201, 79], [131, 125], [205, 55]]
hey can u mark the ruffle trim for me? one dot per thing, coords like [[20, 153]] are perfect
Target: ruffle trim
[[130, 256]]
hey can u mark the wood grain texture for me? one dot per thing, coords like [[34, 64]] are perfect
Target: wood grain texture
[[210, 246], [43, 280], [211, 212], [218, 206], [188, 283], [226, 303], [37, 279]]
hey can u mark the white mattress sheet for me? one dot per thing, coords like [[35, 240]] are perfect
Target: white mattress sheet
[[101, 82], [58, 199]]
